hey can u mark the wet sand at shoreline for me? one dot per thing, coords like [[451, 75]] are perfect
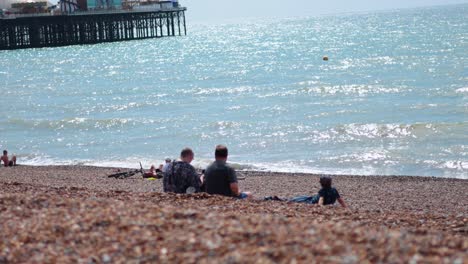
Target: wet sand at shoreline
[[76, 213]]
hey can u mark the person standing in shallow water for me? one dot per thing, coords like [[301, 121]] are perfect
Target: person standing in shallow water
[[180, 176], [6, 161], [220, 178]]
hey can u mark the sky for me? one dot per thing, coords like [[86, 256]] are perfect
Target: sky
[[229, 10]]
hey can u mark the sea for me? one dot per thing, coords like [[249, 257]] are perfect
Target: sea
[[392, 99]]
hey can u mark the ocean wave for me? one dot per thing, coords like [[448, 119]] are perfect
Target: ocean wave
[[350, 89], [369, 156], [76, 123], [425, 106], [221, 125], [459, 165], [219, 91], [348, 64], [373, 130], [358, 164], [352, 132], [134, 163], [462, 90], [376, 130], [46, 160], [332, 90], [130, 162], [265, 134]]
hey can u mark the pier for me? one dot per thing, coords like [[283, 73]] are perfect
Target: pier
[[35, 31]]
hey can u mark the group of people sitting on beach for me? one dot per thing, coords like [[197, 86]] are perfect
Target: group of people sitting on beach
[[218, 178], [7, 162], [221, 179]]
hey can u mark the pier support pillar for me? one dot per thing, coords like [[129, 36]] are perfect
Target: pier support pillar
[[12, 37], [168, 24], [34, 38], [185, 26], [173, 23]]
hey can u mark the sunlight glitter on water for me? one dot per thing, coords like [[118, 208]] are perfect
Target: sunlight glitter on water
[[391, 100]]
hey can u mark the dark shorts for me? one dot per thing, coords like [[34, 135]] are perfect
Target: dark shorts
[[10, 163]]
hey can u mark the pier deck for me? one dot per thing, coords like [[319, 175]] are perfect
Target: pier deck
[[34, 31]]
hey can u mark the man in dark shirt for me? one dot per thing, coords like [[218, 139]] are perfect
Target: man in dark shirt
[[220, 178], [180, 176]]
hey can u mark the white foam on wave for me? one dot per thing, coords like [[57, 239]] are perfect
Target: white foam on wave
[[78, 123], [374, 130], [122, 163], [218, 91], [130, 162], [449, 169], [356, 89], [456, 164], [369, 156], [462, 90], [33, 160]]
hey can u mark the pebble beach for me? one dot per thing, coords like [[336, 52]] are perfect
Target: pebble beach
[[77, 214]]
